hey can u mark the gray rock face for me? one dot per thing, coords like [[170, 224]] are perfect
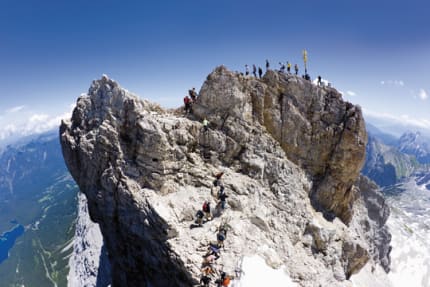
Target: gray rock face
[[146, 171], [89, 263], [319, 131]]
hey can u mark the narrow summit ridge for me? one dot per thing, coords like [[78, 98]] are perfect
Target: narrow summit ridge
[[287, 148]]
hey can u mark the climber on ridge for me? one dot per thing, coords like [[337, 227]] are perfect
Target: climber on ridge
[[205, 125], [260, 72], [282, 69], [199, 218], [246, 70], [205, 280], [319, 81], [296, 69], [217, 181], [222, 197], [288, 67], [193, 94], [214, 249], [222, 233], [254, 70], [226, 280], [187, 102], [207, 210], [267, 65]]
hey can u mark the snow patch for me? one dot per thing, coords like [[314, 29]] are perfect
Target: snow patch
[[256, 273]]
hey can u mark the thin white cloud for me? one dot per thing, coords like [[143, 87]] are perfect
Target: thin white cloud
[[351, 93], [34, 124], [396, 83], [423, 94], [15, 109], [403, 120]]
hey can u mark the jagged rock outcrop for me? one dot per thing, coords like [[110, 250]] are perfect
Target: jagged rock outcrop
[[317, 129], [146, 171]]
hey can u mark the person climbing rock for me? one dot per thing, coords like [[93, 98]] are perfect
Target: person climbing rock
[[220, 280], [260, 72], [193, 94], [296, 68], [246, 70], [209, 259], [199, 218], [254, 70], [319, 81], [288, 67], [222, 233], [222, 199], [187, 102], [214, 249], [205, 281], [226, 281], [207, 210], [267, 65], [217, 181], [205, 125]]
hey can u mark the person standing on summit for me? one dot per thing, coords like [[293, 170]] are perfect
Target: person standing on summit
[[246, 70], [260, 72], [254, 70], [267, 65], [296, 69]]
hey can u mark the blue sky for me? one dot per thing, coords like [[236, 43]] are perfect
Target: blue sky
[[375, 52]]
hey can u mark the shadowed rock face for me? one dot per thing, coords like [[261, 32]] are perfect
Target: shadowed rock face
[[317, 129], [146, 171]]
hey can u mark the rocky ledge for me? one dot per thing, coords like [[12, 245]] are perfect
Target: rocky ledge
[[290, 152]]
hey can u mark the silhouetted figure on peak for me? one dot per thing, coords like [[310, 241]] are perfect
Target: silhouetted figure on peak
[[260, 72], [282, 68], [254, 70]]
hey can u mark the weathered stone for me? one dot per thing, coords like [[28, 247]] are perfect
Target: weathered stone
[[146, 171], [317, 129]]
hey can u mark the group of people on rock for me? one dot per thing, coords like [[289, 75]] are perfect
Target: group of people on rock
[[282, 68], [213, 253]]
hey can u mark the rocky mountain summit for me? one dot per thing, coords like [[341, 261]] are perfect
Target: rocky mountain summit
[[415, 144], [290, 151]]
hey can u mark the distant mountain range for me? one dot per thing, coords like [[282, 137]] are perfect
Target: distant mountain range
[[390, 159], [37, 192]]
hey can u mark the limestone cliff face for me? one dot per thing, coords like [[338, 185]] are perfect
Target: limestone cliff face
[[317, 129], [280, 142]]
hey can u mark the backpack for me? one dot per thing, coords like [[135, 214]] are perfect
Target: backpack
[[221, 236], [199, 214], [226, 281], [205, 207]]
